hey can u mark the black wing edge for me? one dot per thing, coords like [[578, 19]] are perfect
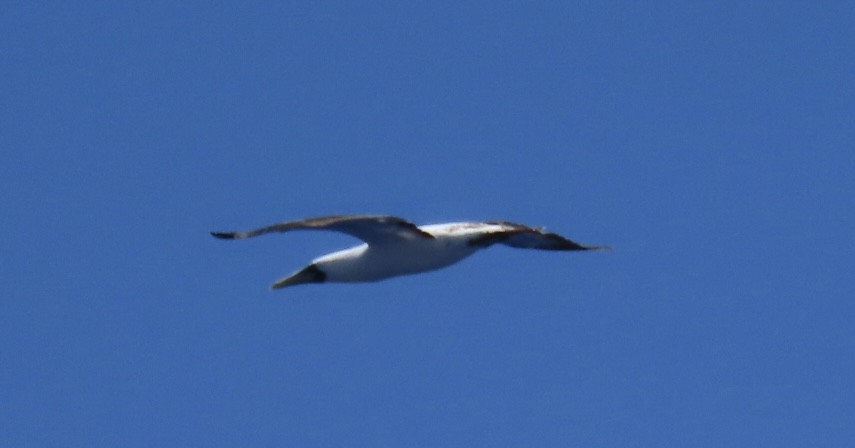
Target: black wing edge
[[323, 222], [226, 235]]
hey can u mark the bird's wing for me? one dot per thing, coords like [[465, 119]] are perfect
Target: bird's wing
[[371, 229], [525, 237]]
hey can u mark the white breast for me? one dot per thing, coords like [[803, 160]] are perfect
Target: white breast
[[365, 263]]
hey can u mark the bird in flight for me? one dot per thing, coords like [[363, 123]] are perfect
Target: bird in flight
[[393, 246]]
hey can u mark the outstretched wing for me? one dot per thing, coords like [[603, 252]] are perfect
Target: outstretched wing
[[371, 229], [525, 237]]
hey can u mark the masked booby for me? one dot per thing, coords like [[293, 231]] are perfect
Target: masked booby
[[394, 246]]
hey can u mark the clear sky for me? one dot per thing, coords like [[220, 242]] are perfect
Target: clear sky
[[712, 144]]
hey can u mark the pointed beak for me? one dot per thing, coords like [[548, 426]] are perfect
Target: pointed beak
[[309, 274]]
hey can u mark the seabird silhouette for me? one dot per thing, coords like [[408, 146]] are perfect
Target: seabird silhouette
[[394, 246]]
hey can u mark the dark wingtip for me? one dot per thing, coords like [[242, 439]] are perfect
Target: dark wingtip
[[225, 235], [605, 248]]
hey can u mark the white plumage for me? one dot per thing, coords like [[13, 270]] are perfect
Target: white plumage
[[393, 246]]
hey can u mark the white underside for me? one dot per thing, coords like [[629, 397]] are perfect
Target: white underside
[[366, 263]]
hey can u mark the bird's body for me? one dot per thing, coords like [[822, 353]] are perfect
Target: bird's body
[[367, 262], [395, 247]]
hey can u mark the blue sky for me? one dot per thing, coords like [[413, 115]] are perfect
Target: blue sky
[[710, 144]]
